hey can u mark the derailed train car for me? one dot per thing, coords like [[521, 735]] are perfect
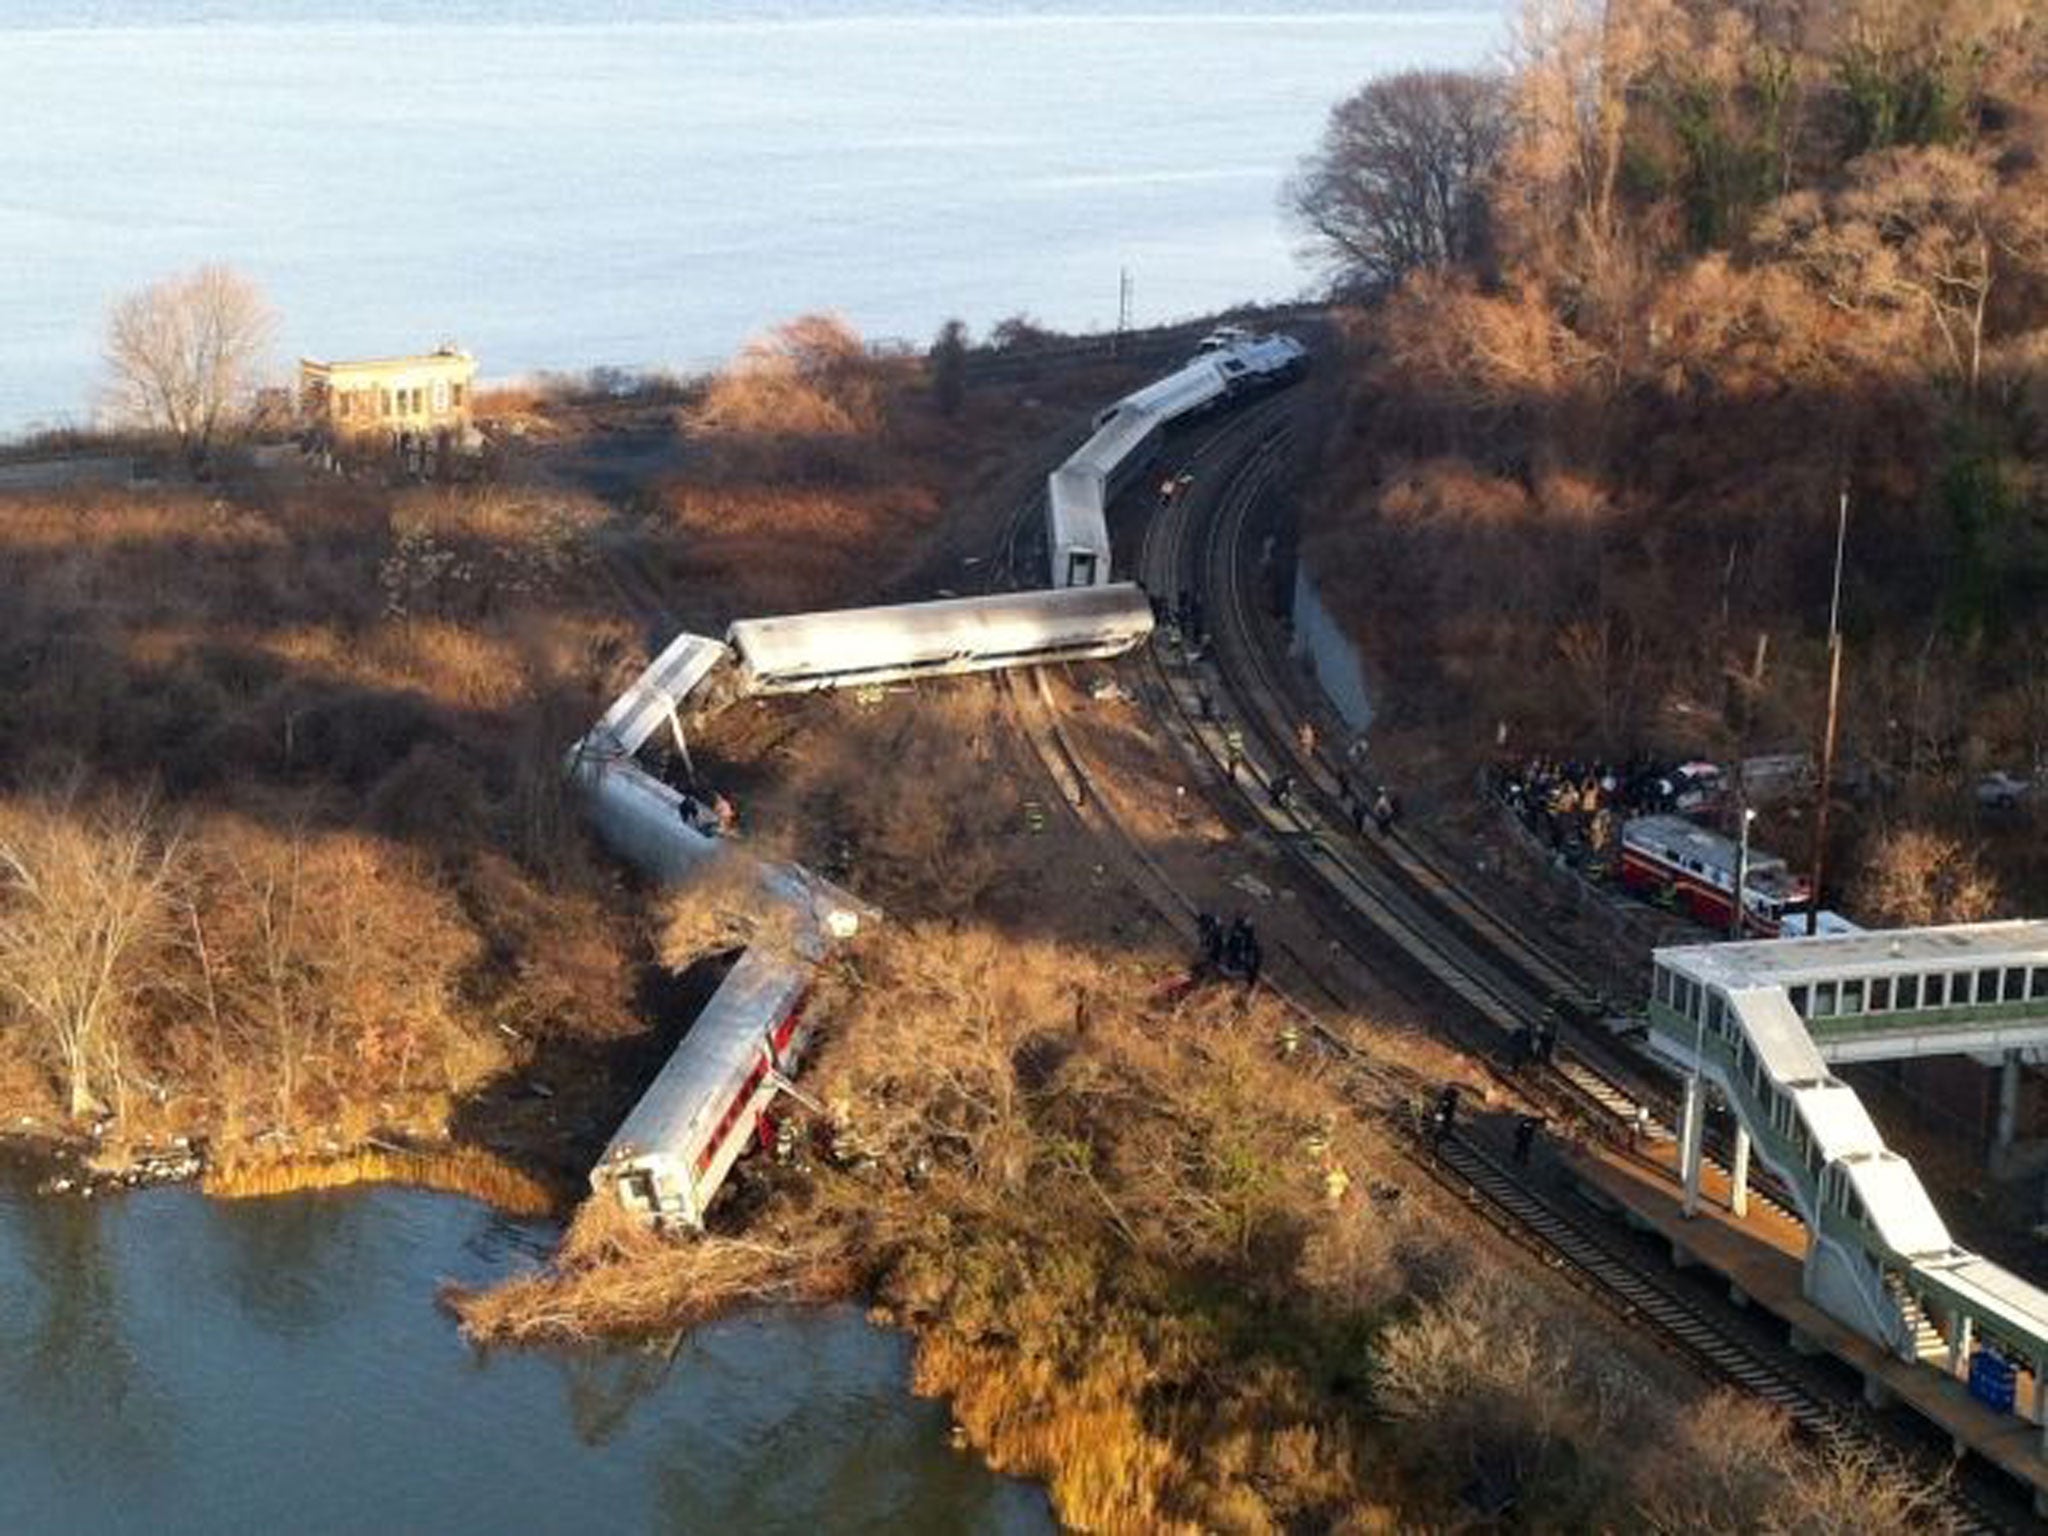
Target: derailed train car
[[803, 653], [672, 1153], [1230, 364]]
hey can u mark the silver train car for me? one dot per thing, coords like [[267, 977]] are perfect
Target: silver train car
[[1231, 363], [807, 652], [671, 1154]]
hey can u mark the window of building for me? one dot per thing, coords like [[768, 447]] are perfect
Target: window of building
[[440, 394], [1937, 990], [455, 396], [1909, 992], [1880, 994], [383, 402]]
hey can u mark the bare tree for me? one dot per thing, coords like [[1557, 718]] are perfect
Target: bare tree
[[184, 354], [84, 902], [1399, 181], [1916, 877]]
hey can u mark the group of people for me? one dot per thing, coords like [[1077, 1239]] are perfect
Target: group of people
[[1231, 951], [715, 817], [1535, 1042], [1443, 1119], [1574, 805]]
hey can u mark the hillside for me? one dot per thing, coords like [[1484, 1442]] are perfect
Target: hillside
[[1729, 262]]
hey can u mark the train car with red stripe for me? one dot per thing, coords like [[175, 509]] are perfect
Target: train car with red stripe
[[674, 1150], [1678, 860]]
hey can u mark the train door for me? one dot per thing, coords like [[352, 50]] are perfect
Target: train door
[[1081, 564]]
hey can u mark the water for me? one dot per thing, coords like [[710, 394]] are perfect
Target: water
[[560, 184], [169, 1364]]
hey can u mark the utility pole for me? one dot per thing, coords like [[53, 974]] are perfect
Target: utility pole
[[1123, 310], [1827, 740]]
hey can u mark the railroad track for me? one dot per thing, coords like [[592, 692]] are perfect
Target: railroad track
[[1498, 975]]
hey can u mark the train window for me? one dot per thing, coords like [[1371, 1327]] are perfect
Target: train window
[[1852, 997], [1717, 1014], [1908, 993], [1824, 1000], [2040, 986], [2015, 984], [1797, 997], [1937, 990], [1987, 986], [1880, 994], [1662, 986]]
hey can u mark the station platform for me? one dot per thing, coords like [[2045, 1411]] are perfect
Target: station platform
[[1761, 1255]]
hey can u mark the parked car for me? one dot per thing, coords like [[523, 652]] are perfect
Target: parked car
[[2001, 791]]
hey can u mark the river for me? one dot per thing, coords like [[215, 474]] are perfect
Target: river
[[173, 1364], [558, 184]]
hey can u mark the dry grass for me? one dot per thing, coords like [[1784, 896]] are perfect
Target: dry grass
[[614, 1278], [458, 1171]]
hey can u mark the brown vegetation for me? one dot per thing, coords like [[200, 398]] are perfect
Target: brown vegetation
[[184, 355], [1736, 260], [459, 1171], [1107, 1215], [284, 845]]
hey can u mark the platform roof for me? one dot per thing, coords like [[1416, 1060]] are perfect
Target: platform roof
[[1779, 1036], [1841, 1126], [1898, 1206], [1997, 1295], [1787, 962]]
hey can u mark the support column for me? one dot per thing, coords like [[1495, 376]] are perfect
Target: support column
[[2008, 1105], [2040, 1401], [1692, 1126], [1960, 1331], [1738, 1187]]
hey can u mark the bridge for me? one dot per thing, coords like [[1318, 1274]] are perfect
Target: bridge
[[1760, 1023]]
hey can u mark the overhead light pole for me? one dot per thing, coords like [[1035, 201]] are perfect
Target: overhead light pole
[[1743, 817], [1827, 740]]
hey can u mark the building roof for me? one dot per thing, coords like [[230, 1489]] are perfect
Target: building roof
[[438, 358], [1788, 962]]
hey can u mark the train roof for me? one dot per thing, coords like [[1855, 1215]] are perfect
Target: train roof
[[1186, 388], [1112, 442], [647, 703], [683, 1104], [1787, 962], [870, 639]]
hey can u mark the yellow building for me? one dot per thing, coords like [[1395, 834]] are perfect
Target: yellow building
[[422, 397]]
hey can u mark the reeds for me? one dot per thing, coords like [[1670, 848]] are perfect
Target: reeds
[[615, 1278], [457, 1171]]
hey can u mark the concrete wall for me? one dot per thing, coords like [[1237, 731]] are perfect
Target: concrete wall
[[1329, 652]]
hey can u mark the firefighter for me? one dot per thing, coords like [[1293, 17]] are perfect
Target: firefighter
[[1443, 1118]]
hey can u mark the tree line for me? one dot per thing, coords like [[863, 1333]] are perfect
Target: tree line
[[1642, 304]]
